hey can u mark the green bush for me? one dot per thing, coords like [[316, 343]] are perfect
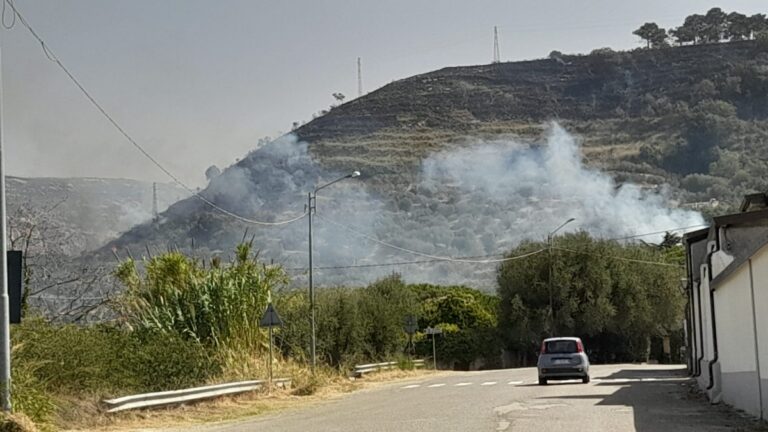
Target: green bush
[[29, 395], [107, 360], [218, 306], [166, 362]]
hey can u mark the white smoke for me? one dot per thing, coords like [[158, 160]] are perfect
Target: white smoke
[[484, 199], [481, 199], [539, 187]]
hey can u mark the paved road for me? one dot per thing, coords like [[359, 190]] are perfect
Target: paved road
[[620, 398]]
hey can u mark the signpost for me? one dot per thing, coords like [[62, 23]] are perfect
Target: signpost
[[410, 326], [270, 319], [434, 332]]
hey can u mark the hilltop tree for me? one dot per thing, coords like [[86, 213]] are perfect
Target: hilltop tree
[[738, 27], [694, 26], [652, 34], [758, 23], [339, 97], [683, 34], [715, 25]]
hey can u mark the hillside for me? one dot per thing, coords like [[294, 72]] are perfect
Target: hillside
[[465, 161], [82, 213]]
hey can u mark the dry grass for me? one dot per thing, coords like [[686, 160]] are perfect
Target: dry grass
[[227, 409], [16, 423]]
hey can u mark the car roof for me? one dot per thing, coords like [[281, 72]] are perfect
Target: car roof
[[571, 338]]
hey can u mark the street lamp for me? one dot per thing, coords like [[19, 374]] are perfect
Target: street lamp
[[312, 206], [550, 238]]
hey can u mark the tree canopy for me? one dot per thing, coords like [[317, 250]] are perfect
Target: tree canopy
[[712, 27], [652, 34], [615, 297]]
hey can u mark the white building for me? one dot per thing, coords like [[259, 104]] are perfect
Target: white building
[[727, 315]]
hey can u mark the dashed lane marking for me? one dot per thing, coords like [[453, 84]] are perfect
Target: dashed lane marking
[[515, 382], [462, 384], [489, 383], [412, 386], [435, 385]]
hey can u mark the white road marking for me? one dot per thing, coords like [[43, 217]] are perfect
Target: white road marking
[[412, 386], [515, 382], [489, 383], [435, 385], [462, 384]]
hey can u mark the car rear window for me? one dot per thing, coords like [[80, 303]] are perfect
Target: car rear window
[[560, 347]]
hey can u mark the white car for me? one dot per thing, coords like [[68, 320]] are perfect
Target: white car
[[563, 358]]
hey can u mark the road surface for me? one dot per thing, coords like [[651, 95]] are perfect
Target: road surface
[[619, 398]]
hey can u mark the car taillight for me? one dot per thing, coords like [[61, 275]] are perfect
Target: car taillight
[[579, 346]]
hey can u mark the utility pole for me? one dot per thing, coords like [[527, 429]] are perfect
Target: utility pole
[[5, 324], [549, 282], [359, 78], [496, 56], [550, 240], [154, 201], [311, 208], [312, 344]]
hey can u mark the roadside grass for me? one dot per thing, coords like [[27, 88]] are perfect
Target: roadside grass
[[329, 385], [62, 373]]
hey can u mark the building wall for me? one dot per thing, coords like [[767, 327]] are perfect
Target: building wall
[[706, 334], [759, 264], [736, 342]]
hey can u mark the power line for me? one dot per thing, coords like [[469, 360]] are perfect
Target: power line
[[659, 232], [464, 260], [619, 258], [426, 255], [468, 259], [51, 56]]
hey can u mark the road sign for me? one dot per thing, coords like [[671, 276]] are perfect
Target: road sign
[[15, 280], [270, 318], [433, 331], [411, 324]]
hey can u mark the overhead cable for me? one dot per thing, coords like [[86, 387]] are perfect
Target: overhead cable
[[660, 232], [51, 56], [619, 258], [426, 255], [398, 263]]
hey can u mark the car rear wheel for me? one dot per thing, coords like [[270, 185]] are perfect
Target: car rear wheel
[[585, 379], [542, 381]]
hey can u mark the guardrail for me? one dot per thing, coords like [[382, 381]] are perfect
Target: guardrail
[[375, 367], [173, 397]]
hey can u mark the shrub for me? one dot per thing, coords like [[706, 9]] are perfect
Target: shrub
[[16, 423], [104, 359], [762, 41], [29, 398], [167, 362], [218, 306]]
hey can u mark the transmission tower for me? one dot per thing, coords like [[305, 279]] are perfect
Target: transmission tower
[[154, 201], [359, 78], [496, 56]]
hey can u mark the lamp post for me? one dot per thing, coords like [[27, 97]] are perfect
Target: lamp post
[[550, 238], [5, 332], [311, 207]]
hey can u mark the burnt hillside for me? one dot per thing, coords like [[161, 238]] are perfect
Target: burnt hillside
[[688, 120], [603, 85]]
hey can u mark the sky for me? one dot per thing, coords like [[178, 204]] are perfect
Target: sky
[[198, 83]]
